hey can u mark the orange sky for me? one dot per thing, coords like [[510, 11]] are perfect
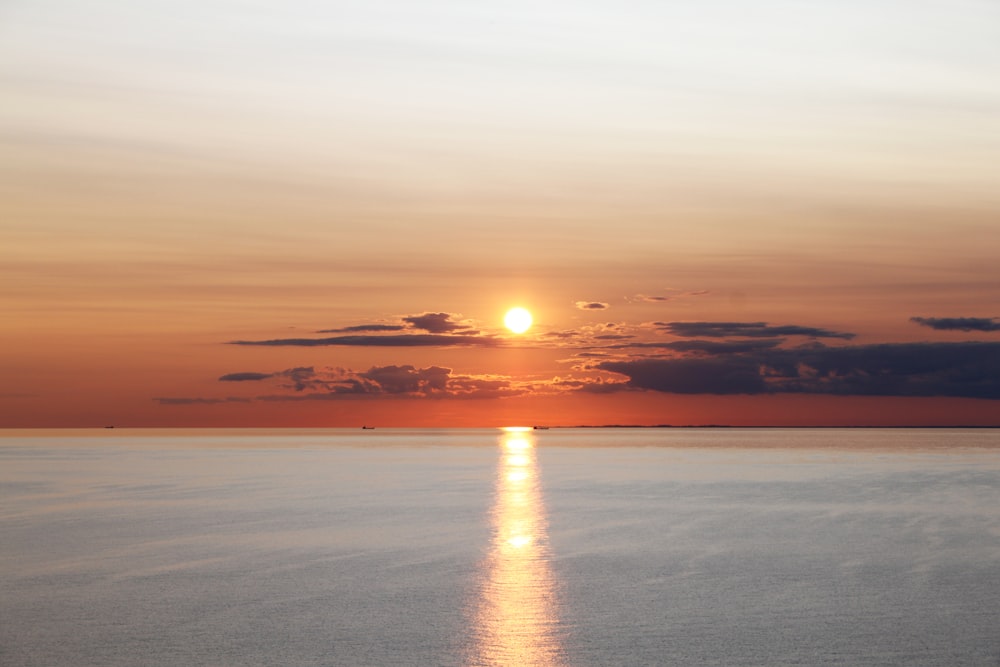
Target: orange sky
[[717, 213]]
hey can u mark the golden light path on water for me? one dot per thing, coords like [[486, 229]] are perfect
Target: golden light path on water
[[516, 622]]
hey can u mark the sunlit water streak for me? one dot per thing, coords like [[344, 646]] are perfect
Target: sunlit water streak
[[516, 620]]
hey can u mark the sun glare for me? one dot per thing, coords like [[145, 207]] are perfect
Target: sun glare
[[517, 320]]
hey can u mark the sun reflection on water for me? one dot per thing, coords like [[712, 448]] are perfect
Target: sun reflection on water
[[516, 620]]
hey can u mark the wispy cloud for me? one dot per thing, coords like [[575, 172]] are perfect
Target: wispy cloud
[[245, 377], [592, 305], [435, 322], [662, 298], [400, 381], [712, 347], [745, 329], [443, 330], [362, 328], [959, 323], [393, 340], [405, 381]]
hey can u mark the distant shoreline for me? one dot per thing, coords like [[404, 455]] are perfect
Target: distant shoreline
[[772, 426], [111, 430]]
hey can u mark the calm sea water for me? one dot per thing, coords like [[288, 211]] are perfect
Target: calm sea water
[[489, 547]]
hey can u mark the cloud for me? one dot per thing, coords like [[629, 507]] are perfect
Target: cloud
[[661, 298], [592, 305], [408, 379], [361, 328], [435, 323], [395, 340], [404, 381], [969, 370], [712, 347], [303, 377], [245, 377], [409, 382], [959, 323], [413, 382], [691, 376], [745, 329]]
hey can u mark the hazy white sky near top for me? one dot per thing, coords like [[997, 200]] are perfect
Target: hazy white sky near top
[[841, 87]]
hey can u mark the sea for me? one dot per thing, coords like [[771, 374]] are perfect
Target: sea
[[515, 547]]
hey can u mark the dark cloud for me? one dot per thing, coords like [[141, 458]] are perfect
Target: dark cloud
[[712, 347], [959, 323], [969, 370], [716, 347], [301, 378], [691, 376], [361, 328], [431, 382], [592, 305], [396, 340], [745, 330], [435, 323], [660, 298], [245, 377], [408, 379], [404, 381]]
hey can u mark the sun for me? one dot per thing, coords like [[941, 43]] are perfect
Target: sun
[[517, 320]]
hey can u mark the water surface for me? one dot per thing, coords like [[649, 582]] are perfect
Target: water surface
[[490, 547]]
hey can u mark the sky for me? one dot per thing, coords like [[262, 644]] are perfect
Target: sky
[[236, 213]]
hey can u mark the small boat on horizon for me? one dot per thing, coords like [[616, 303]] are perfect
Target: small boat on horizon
[[367, 428], [540, 428]]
